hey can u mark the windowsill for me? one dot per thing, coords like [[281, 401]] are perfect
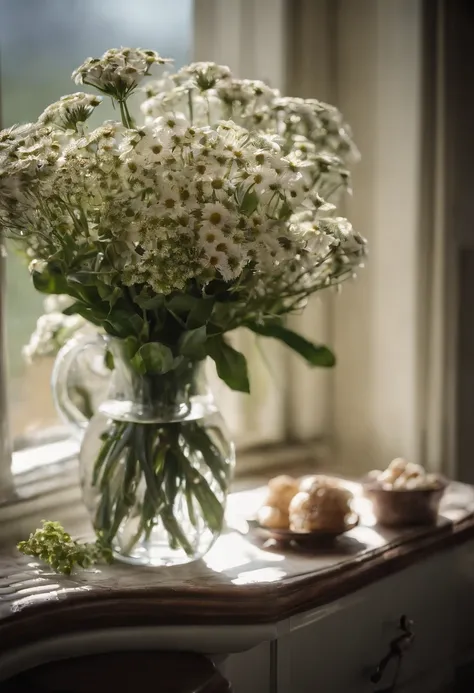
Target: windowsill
[[42, 456], [46, 481]]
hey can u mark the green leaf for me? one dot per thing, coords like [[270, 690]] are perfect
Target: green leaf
[[153, 358], [130, 346], [84, 278], [109, 293], [200, 312], [192, 343], [73, 308], [314, 354], [223, 315], [149, 302], [121, 323], [230, 364], [181, 303], [218, 288], [92, 287], [249, 202], [109, 360], [50, 281], [93, 315], [285, 211]]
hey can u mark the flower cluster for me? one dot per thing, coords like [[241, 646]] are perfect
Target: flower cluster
[[184, 202], [311, 133], [207, 92], [53, 329], [70, 110], [216, 203], [224, 193], [320, 124], [118, 71]]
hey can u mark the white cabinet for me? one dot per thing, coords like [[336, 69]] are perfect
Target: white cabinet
[[336, 648], [252, 671], [340, 650]]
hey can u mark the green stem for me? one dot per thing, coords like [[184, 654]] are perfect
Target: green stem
[[125, 114], [105, 450], [173, 528], [135, 538], [126, 498], [190, 104], [131, 121], [198, 439], [189, 504], [166, 457], [113, 457], [145, 465]]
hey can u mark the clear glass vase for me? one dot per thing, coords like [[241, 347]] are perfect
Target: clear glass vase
[[155, 460]]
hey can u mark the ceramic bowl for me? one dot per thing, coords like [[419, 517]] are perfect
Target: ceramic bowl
[[401, 508]]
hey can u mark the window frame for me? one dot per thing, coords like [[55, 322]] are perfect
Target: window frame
[[6, 474], [306, 47], [392, 324]]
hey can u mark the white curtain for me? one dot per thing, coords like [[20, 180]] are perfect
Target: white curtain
[[288, 399], [385, 396]]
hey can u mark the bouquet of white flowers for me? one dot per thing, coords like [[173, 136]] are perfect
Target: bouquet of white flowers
[[211, 215]]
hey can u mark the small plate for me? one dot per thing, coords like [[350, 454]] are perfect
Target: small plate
[[319, 537]]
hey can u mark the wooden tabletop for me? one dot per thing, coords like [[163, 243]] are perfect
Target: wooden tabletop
[[243, 579]]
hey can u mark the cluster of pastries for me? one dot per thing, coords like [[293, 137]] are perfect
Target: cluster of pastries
[[401, 475], [316, 503]]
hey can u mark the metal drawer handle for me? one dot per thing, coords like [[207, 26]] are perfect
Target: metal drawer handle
[[399, 645]]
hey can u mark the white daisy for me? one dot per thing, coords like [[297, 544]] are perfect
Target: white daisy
[[216, 214], [210, 236], [173, 123]]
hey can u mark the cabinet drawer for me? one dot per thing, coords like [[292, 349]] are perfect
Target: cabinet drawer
[[336, 648]]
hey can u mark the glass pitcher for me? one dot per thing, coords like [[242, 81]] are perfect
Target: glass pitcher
[[155, 461]]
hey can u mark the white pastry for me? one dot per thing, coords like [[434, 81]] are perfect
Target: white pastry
[[324, 507], [401, 475], [281, 490], [273, 518]]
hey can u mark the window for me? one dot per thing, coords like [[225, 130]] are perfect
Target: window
[[40, 44], [370, 59]]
